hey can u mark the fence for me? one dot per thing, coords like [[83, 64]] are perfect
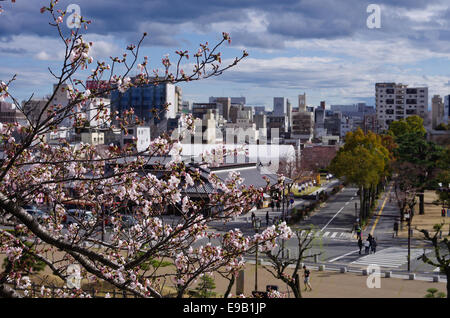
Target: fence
[[34, 291]]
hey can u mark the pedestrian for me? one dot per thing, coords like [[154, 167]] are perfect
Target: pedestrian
[[275, 220], [360, 244], [395, 229], [366, 247], [306, 274], [358, 232], [267, 218], [369, 239], [272, 205], [278, 205], [253, 217], [374, 245]]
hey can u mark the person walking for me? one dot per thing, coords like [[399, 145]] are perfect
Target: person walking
[[395, 229], [306, 274], [360, 244], [267, 218], [366, 247], [374, 245], [278, 205], [272, 205], [369, 239], [358, 232]]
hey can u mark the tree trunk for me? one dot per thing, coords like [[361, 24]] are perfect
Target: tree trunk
[[421, 202], [361, 204], [447, 273], [230, 285]]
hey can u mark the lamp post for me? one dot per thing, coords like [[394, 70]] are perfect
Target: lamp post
[[256, 227]]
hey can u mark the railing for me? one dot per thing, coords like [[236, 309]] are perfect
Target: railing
[[34, 291]]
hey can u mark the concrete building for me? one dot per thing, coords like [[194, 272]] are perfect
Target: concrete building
[[93, 138], [289, 114], [346, 126], [199, 110], [9, 114], [138, 134], [302, 102], [225, 105], [332, 124], [370, 123], [302, 125], [397, 101], [34, 110], [279, 122], [205, 129], [437, 111], [98, 113]]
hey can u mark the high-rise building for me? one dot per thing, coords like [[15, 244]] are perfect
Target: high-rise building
[[302, 102], [446, 118], [225, 103], [437, 111], [289, 114], [397, 101], [152, 104], [278, 106]]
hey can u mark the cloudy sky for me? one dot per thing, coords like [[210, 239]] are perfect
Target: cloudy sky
[[321, 47]]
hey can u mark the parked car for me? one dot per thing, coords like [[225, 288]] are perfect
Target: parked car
[[36, 213], [77, 216], [127, 220]]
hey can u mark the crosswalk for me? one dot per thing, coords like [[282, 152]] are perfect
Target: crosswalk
[[334, 235], [389, 257]]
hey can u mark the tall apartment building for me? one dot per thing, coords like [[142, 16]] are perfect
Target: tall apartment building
[[398, 101], [437, 111]]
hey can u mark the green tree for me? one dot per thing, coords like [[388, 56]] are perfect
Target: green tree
[[205, 287], [412, 124], [363, 161], [424, 156]]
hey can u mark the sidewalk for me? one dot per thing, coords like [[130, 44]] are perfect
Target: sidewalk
[[331, 284]]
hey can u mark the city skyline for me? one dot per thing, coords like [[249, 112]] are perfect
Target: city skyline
[[294, 46]]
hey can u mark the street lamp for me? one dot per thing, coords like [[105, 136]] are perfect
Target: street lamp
[[256, 227]]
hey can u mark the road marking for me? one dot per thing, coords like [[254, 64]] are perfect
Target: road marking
[[333, 235], [325, 234], [342, 256], [379, 214], [437, 269], [389, 257], [332, 219]]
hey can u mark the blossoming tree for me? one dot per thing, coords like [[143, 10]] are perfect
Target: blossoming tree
[[33, 171]]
